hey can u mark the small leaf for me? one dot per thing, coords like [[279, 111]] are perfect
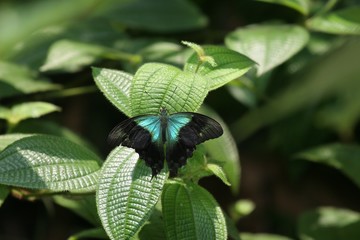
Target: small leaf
[[190, 212], [49, 163], [345, 21], [268, 45], [115, 85], [159, 15], [241, 208], [229, 65], [98, 233], [84, 206], [328, 223], [27, 110], [158, 85], [17, 80], [7, 139], [346, 158], [4, 192], [126, 194], [219, 172], [301, 6], [262, 236]]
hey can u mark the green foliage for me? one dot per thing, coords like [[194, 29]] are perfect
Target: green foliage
[[290, 76], [329, 223], [190, 212]]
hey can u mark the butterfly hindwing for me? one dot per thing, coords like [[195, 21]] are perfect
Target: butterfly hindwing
[[184, 131], [141, 133]]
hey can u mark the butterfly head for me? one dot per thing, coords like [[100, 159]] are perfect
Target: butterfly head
[[163, 111]]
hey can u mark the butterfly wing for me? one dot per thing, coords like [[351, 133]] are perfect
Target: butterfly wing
[[184, 131], [142, 133]]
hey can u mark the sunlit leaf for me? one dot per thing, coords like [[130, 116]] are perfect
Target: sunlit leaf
[[51, 163], [160, 85], [229, 65], [345, 21], [18, 80], [27, 110], [7, 139], [126, 194], [268, 45]]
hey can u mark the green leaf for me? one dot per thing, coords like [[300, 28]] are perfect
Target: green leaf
[[27, 110], [244, 90], [98, 233], [224, 149], [70, 56], [126, 194], [268, 45], [219, 172], [84, 206], [345, 21], [229, 65], [158, 85], [50, 163], [4, 192], [7, 139], [115, 85], [262, 236], [190, 212], [18, 80], [328, 223], [159, 15], [346, 158], [301, 6]]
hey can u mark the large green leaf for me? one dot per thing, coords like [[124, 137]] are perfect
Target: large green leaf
[[158, 85], [159, 15], [229, 65], [301, 6], [346, 158], [115, 85], [345, 21], [17, 80], [327, 223], [51, 163], [26, 110], [126, 193], [268, 45], [190, 212]]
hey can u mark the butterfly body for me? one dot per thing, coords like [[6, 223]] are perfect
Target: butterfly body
[[169, 137]]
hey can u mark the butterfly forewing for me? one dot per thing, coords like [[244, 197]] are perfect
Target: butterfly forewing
[[184, 132], [143, 134]]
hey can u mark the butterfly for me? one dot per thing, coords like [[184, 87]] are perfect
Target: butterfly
[[165, 137]]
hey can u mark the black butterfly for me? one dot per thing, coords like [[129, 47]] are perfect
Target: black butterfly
[[165, 137]]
